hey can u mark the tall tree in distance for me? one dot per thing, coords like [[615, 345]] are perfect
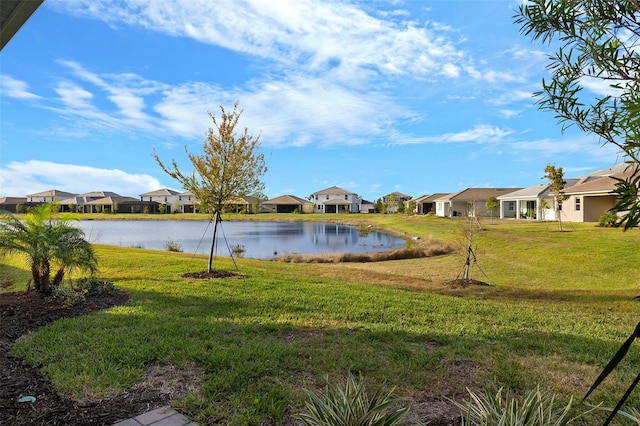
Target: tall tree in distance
[[231, 166], [595, 76], [555, 175]]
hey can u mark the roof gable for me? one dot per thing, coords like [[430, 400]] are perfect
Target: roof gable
[[477, 194], [287, 199], [334, 190], [160, 192]]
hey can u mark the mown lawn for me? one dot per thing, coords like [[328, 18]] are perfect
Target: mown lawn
[[559, 306]]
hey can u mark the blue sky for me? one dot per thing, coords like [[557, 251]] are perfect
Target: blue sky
[[373, 96]]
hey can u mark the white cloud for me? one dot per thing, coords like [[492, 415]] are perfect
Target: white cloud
[[22, 178], [15, 88], [480, 133]]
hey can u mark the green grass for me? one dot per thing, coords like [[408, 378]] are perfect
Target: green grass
[[559, 307]]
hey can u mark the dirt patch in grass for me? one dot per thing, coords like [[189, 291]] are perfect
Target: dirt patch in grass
[[206, 275], [466, 282]]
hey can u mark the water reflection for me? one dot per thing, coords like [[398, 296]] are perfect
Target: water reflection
[[261, 240]]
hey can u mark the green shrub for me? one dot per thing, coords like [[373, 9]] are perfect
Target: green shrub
[[350, 405], [238, 250], [173, 246], [538, 408], [608, 219], [64, 296], [93, 286]]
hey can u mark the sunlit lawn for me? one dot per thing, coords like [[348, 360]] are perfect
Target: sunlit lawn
[[559, 306]]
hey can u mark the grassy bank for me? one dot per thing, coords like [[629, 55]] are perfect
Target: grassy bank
[[559, 306]]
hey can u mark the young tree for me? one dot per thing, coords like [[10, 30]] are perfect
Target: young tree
[[48, 244], [379, 206], [390, 205], [231, 166], [555, 175], [493, 205], [598, 48], [411, 208]]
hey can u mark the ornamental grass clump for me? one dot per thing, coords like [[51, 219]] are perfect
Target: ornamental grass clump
[[502, 408], [351, 405]]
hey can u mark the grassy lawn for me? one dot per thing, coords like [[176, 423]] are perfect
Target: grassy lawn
[[559, 306]]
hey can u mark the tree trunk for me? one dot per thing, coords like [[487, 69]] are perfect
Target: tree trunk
[[58, 277], [40, 274], [213, 240]]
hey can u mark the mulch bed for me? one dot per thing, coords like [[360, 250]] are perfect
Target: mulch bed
[[24, 312], [205, 275]]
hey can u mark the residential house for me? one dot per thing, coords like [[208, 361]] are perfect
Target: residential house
[[15, 204], [81, 203], [591, 198], [426, 203], [468, 202], [365, 206], [120, 204], [393, 200], [287, 204], [335, 200], [186, 202], [243, 204], [165, 196], [48, 196], [534, 202]]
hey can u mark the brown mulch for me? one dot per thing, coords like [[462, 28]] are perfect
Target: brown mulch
[[24, 312], [205, 275], [466, 282]]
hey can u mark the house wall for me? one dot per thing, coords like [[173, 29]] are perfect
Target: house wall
[[442, 208], [507, 208], [569, 212], [320, 199], [594, 207]]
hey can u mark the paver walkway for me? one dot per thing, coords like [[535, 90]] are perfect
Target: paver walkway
[[163, 416]]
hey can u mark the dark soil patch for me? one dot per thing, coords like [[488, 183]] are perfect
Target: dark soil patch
[[205, 275], [466, 282], [24, 312]]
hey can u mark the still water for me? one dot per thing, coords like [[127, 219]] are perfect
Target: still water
[[261, 240]]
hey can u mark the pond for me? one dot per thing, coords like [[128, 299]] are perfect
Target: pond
[[260, 240]]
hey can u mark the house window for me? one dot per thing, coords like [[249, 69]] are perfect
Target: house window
[[511, 206], [346, 197], [327, 197], [577, 204], [559, 207]]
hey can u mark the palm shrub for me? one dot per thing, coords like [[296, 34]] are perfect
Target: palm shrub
[[502, 408], [48, 244], [351, 405], [608, 219]]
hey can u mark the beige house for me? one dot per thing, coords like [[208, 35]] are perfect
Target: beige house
[[287, 204], [591, 198], [335, 200], [468, 202], [426, 203], [535, 202], [393, 200], [48, 196]]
